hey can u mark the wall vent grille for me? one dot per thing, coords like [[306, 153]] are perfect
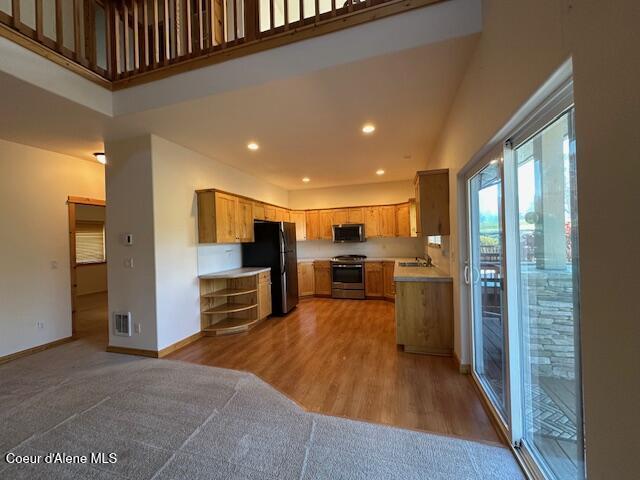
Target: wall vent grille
[[122, 322]]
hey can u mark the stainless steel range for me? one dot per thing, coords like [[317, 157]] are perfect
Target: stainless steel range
[[347, 276]]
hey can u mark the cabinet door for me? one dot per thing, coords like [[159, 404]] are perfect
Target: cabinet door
[[356, 215], [282, 215], [206, 217], [306, 279], [326, 221], [226, 218], [244, 228], [403, 222], [371, 221], [389, 286], [387, 225], [258, 211], [340, 216], [313, 224], [373, 281], [270, 213], [432, 202], [264, 295], [299, 218], [322, 278]]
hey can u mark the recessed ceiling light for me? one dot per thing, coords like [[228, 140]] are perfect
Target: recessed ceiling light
[[306, 179], [380, 172], [100, 157], [368, 128], [253, 146]]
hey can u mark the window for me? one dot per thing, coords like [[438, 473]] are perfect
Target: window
[[90, 242], [435, 241]]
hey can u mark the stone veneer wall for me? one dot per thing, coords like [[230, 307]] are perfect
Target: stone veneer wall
[[551, 323]]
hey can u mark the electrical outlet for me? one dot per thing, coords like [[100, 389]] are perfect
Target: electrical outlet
[[138, 328], [128, 262], [54, 264], [40, 325]]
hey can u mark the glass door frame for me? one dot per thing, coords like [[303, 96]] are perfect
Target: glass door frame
[[504, 422], [553, 106]]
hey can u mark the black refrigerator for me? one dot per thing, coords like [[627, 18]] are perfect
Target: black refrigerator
[[275, 247]]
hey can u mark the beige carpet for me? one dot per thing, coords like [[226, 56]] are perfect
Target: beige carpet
[[172, 420]]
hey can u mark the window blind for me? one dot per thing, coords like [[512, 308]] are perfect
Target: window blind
[[90, 242]]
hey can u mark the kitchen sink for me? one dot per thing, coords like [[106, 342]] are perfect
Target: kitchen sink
[[412, 264]]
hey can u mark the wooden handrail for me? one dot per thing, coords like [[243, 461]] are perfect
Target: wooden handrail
[[142, 40]]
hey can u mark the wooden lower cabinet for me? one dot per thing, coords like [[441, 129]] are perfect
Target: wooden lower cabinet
[[264, 295], [373, 280], [322, 277], [389, 287], [424, 317], [306, 280]]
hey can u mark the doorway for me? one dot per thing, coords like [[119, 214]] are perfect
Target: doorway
[[523, 287], [88, 269]]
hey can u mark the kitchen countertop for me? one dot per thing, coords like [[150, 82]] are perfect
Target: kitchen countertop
[[368, 259], [420, 274], [236, 273]]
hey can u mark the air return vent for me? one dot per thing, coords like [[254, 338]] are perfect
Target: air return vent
[[122, 322]]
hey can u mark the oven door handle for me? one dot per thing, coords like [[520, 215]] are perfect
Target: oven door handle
[[346, 266]]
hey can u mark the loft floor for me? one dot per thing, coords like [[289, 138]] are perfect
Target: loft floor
[[339, 357]]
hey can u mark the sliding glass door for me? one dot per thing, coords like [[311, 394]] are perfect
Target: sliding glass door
[[522, 224], [487, 275], [549, 297]]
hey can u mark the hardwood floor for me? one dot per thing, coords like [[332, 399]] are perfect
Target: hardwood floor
[[339, 357]]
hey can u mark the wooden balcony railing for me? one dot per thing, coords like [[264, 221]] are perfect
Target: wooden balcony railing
[[118, 43]]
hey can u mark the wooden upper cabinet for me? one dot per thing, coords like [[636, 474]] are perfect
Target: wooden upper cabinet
[[226, 218], [403, 220], [270, 213], [313, 224], [340, 216], [258, 211], [432, 202], [371, 221], [299, 218], [387, 225], [356, 215], [373, 279], [244, 220], [326, 221], [282, 215]]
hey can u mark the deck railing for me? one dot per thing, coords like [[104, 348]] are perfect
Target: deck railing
[[121, 40]]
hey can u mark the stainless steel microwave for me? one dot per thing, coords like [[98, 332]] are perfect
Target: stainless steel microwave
[[350, 232]]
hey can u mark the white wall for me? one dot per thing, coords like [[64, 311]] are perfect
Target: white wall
[[130, 210], [352, 195], [91, 278], [177, 173], [522, 44], [34, 186], [373, 248], [151, 187]]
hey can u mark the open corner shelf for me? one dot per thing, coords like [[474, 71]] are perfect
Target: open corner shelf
[[227, 326], [230, 292], [230, 308]]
